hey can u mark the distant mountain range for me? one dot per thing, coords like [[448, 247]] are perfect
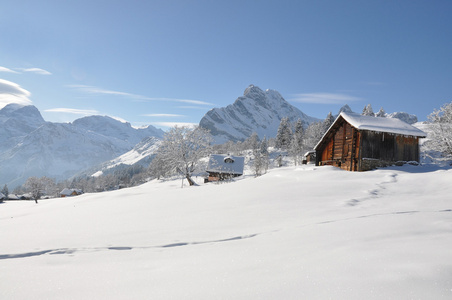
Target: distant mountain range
[[256, 111], [29, 146]]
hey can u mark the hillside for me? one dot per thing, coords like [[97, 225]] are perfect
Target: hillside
[[295, 233]]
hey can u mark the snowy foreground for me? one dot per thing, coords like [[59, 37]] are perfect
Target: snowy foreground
[[295, 233]]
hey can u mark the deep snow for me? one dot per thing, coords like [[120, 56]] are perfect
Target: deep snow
[[295, 233]]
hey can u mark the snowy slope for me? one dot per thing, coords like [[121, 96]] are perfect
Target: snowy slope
[[256, 111], [141, 154], [294, 233]]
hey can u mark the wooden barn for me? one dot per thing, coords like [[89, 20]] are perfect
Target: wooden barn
[[359, 143], [222, 167]]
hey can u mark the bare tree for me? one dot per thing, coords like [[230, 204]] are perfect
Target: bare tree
[[181, 150]]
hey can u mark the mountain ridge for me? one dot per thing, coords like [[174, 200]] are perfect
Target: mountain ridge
[[60, 150], [256, 111]]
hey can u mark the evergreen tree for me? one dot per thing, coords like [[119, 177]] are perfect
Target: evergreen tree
[[368, 111], [252, 142], [329, 120], [296, 145], [5, 191], [381, 113], [284, 134], [260, 153], [313, 134], [264, 154]]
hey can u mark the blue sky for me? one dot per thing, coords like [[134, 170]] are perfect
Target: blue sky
[[167, 62]]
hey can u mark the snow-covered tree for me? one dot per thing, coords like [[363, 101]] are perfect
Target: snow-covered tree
[[5, 191], [39, 186], [284, 134], [381, 113], [181, 150], [261, 157], [313, 134], [296, 144], [252, 142], [329, 120], [440, 133], [368, 111]]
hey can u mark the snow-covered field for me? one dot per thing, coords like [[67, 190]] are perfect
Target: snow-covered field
[[295, 233]]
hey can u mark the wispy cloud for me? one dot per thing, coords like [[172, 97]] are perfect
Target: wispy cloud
[[27, 70], [162, 115], [35, 70], [11, 92], [193, 107], [84, 112], [324, 98], [6, 70], [195, 102], [173, 124], [97, 90]]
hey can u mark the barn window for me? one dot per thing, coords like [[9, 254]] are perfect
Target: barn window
[[228, 160]]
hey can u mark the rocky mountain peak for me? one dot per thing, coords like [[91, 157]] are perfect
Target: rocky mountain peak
[[26, 113], [254, 92], [255, 111]]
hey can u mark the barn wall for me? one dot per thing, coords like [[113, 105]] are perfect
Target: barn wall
[[342, 149], [389, 147]]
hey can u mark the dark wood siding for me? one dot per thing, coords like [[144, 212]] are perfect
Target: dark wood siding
[[351, 149], [390, 147], [342, 149]]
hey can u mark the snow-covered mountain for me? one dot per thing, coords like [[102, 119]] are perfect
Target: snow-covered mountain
[[141, 154], [405, 117], [16, 121], [256, 111], [60, 150]]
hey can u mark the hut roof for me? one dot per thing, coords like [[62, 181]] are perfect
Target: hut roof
[[387, 125], [226, 164]]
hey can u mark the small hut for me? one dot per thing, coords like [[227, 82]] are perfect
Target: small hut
[[66, 192], [308, 157], [222, 167], [359, 143]]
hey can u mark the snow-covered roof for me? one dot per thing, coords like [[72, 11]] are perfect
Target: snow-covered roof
[[378, 124], [226, 164], [309, 152], [68, 192], [389, 125]]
